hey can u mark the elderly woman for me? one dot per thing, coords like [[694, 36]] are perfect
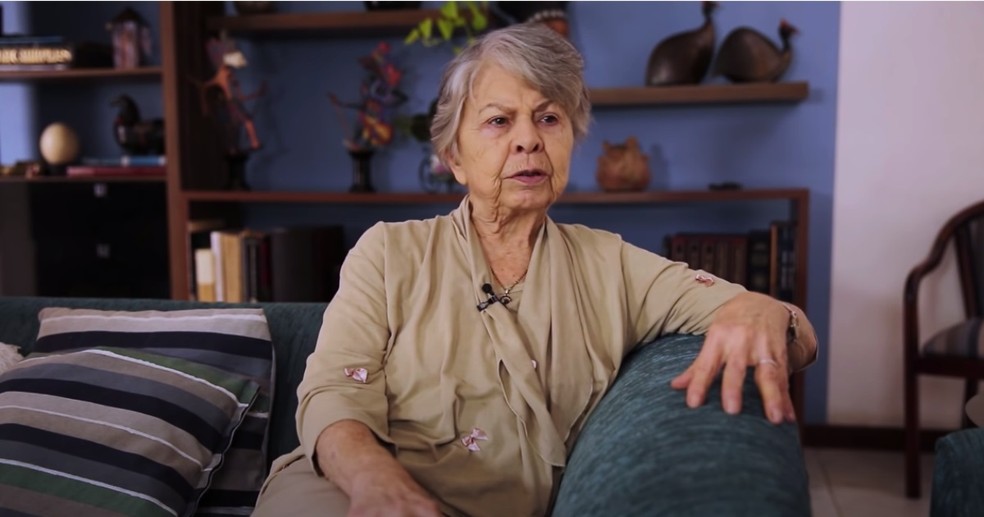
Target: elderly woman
[[462, 354]]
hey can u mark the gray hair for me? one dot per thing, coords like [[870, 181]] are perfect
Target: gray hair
[[534, 52]]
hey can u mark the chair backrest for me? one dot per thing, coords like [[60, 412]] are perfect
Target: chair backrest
[[966, 229], [973, 274]]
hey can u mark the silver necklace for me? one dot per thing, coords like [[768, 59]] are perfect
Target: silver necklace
[[505, 298]]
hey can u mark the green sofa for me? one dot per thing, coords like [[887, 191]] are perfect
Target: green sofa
[[958, 475], [641, 453]]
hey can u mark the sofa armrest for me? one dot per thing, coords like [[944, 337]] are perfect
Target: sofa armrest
[[958, 475], [643, 452]]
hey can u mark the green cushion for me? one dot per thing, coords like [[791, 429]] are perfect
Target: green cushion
[[114, 430], [644, 452], [958, 475]]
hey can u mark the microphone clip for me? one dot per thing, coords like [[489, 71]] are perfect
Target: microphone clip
[[487, 289]]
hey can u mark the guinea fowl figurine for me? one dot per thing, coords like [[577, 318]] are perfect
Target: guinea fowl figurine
[[746, 56], [134, 135], [683, 58]]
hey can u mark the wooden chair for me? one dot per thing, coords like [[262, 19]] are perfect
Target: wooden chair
[[954, 352]]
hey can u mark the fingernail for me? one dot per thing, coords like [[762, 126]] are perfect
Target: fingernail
[[693, 400], [791, 416], [731, 406]]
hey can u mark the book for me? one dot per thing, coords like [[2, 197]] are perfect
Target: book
[[70, 55], [782, 260], [26, 40], [205, 275], [305, 263], [126, 160], [91, 170], [758, 263]]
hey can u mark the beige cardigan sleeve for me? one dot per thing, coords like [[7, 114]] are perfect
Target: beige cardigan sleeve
[[351, 345], [666, 297]]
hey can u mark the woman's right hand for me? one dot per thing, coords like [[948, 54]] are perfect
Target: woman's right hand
[[349, 454], [375, 495]]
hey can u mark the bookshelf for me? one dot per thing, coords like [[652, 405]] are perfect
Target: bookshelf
[[700, 94], [192, 196], [83, 179], [150, 73]]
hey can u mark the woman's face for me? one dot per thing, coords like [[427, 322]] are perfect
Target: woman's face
[[514, 145]]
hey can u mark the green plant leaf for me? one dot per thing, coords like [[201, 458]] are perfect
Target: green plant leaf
[[446, 27], [450, 10], [412, 37], [427, 28], [479, 21]]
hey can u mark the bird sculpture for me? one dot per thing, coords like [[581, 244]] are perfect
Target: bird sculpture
[[746, 56], [134, 135], [683, 58]]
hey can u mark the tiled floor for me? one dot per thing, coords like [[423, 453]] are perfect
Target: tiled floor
[[856, 483]]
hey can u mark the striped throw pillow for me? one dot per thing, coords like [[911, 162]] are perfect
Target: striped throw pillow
[[114, 431], [234, 340]]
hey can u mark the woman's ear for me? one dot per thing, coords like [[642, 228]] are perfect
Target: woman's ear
[[450, 158]]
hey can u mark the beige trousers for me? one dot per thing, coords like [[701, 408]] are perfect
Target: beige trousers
[[296, 491]]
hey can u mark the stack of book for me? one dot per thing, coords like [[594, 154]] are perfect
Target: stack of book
[[297, 264], [27, 53], [762, 260], [151, 165]]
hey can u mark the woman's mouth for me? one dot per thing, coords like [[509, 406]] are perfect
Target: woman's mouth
[[530, 176]]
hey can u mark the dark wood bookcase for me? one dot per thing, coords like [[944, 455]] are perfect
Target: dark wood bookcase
[[195, 172]]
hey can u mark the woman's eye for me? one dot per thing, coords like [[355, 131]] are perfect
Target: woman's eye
[[498, 121], [550, 119]]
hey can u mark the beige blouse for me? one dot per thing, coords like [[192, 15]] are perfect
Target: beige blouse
[[482, 406]]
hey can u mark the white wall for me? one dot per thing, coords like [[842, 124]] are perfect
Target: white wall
[[910, 153]]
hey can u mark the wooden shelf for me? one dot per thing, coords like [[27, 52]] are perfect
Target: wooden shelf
[[150, 72], [700, 94], [82, 179], [342, 23], [409, 198]]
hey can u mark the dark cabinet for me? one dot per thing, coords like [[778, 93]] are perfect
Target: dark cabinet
[[100, 239]]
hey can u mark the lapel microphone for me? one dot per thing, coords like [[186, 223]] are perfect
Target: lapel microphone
[[487, 289]]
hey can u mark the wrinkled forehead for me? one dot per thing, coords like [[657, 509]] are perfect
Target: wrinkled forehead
[[482, 87]]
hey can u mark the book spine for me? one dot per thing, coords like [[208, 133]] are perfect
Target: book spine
[[758, 261], [787, 262], [30, 55], [216, 241], [205, 275], [115, 170], [9, 41], [126, 160]]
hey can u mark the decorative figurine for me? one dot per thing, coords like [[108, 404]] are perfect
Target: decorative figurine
[[623, 167], [379, 94], [131, 39], [222, 96], [746, 56], [683, 58], [59, 146], [223, 100], [134, 135]]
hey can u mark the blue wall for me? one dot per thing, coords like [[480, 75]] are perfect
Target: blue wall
[[688, 147], [17, 106]]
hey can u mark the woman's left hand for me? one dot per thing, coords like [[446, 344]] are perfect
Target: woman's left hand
[[748, 331]]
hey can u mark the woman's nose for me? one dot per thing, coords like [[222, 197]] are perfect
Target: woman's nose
[[527, 138]]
